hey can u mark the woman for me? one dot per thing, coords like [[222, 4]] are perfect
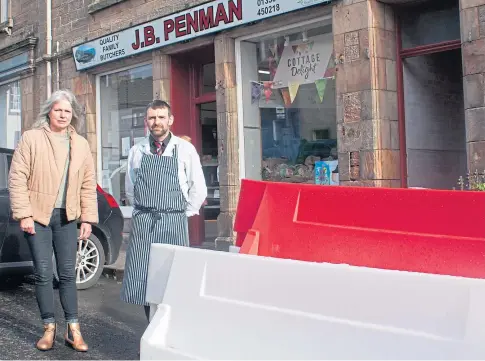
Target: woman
[[52, 185]]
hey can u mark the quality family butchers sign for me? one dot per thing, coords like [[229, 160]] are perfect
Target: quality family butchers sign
[[187, 24]]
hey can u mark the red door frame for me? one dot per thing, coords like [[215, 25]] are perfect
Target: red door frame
[[186, 97], [400, 56]]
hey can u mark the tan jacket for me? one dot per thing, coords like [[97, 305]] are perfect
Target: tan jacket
[[36, 173]]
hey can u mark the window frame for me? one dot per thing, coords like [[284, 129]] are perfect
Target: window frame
[[11, 95], [8, 112], [5, 6], [318, 22]]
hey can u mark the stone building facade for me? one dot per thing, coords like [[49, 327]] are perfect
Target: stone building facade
[[367, 97]]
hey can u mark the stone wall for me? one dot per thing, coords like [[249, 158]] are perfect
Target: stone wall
[[76, 21], [28, 20], [365, 52], [228, 141], [27, 34], [472, 15]]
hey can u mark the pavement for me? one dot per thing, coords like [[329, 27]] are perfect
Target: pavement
[[111, 327]]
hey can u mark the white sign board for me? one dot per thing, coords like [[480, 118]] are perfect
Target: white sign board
[[202, 20], [304, 62]]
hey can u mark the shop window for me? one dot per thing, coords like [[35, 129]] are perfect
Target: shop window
[[14, 98], [289, 106], [208, 78], [429, 23], [4, 10], [10, 115], [124, 97]]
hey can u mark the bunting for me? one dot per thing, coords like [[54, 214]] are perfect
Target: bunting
[[273, 50], [268, 90], [273, 65], [321, 84], [286, 96], [293, 89], [330, 71]]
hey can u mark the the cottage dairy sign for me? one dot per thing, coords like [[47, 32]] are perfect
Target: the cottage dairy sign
[[188, 24]]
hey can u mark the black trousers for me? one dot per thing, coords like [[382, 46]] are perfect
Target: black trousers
[[59, 236]]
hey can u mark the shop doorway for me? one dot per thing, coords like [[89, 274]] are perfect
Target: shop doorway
[[430, 96], [210, 166], [194, 103]]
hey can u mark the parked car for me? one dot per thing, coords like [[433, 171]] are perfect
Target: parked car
[[102, 247]]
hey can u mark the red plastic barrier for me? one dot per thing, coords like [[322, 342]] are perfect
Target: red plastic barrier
[[417, 230]]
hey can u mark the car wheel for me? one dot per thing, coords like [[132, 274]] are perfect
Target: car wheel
[[89, 263]]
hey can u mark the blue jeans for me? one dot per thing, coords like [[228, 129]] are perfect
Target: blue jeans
[[59, 236]]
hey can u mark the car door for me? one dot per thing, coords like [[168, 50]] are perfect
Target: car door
[[4, 201], [15, 247]]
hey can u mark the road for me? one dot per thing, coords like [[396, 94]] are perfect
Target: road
[[111, 328]]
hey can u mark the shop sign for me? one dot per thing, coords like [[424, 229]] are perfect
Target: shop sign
[[304, 62], [188, 24]]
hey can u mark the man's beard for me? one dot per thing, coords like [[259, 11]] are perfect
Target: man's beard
[[159, 132]]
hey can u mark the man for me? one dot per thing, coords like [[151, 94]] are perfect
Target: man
[[166, 185]]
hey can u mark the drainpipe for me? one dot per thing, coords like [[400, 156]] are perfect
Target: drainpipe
[[58, 81], [48, 39]]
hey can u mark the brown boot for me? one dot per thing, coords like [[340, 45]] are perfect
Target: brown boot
[[47, 341], [74, 338]]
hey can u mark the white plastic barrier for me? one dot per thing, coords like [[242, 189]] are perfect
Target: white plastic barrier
[[234, 249], [217, 305]]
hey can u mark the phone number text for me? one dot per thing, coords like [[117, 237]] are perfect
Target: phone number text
[[267, 7]]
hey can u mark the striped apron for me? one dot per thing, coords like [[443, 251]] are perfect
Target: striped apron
[[158, 217]]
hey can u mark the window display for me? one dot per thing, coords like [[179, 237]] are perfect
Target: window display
[[124, 96], [289, 107], [10, 115]]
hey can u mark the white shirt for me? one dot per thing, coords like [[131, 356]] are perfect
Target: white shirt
[[191, 176]]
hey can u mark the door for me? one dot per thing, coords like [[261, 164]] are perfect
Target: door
[[15, 247], [194, 74]]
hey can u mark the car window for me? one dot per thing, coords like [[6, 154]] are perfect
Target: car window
[[3, 172]]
